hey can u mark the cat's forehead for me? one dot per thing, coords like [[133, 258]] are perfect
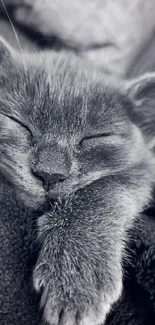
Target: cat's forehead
[[72, 106], [59, 93]]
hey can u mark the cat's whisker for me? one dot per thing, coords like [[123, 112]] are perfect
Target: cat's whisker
[[32, 222], [16, 36]]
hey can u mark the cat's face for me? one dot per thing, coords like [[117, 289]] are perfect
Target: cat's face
[[61, 129]]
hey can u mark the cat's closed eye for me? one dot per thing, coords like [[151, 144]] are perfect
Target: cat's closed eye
[[95, 140], [19, 123]]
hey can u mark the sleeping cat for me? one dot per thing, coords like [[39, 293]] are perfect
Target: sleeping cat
[[82, 150]]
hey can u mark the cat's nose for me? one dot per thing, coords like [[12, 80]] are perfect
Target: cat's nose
[[49, 180]]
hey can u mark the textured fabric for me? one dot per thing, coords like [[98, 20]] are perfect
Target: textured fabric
[[17, 237], [117, 35], [137, 304], [111, 33]]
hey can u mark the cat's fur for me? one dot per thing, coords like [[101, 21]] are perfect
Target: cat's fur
[[76, 146]]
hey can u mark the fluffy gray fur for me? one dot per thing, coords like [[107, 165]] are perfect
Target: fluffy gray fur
[[73, 143]]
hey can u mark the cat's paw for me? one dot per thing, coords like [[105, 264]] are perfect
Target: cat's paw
[[71, 299]]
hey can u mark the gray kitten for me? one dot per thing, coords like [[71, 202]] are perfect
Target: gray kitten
[[72, 143]]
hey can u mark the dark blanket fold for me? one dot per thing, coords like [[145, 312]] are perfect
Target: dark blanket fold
[[137, 304], [18, 305]]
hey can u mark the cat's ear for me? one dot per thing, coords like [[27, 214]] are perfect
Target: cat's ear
[[6, 53], [141, 92]]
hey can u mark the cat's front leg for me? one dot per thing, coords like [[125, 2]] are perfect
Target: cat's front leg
[[79, 275]]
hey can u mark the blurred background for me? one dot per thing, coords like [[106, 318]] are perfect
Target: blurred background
[[116, 35]]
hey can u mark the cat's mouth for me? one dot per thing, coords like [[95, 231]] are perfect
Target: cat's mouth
[[73, 184], [61, 190]]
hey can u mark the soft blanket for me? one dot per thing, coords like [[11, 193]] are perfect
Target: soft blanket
[[137, 304], [117, 35]]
